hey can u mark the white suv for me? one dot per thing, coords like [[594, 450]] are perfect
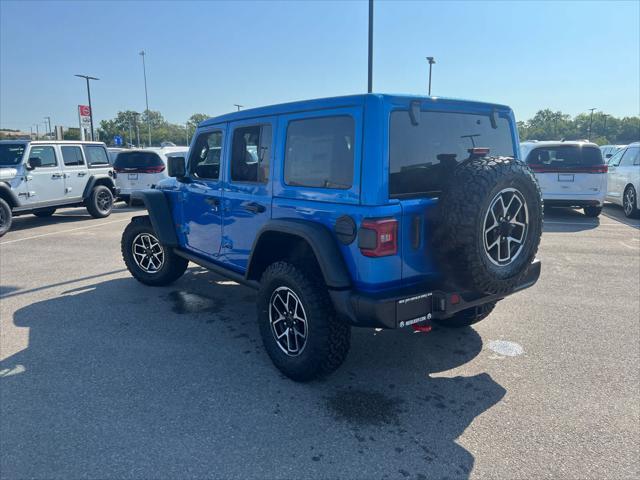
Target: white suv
[[139, 169], [570, 174], [624, 179], [40, 176]]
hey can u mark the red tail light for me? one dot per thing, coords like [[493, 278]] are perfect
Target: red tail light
[[378, 237], [539, 168], [154, 169]]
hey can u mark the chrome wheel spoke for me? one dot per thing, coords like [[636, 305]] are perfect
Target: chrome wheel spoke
[[505, 226], [148, 253], [288, 321]]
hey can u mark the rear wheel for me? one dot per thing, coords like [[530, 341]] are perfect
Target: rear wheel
[[298, 324], [592, 212], [630, 202], [147, 259], [45, 212], [6, 217], [467, 317], [100, 202]]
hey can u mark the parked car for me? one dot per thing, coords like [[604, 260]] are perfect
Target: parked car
[[369, 210], [609, 151], [623, 182], [113, 153], [39, 177], [570, 173], [138, 169]]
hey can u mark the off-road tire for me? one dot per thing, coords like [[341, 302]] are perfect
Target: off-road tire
[[459, 238], [328, 338], [467, 317], [45, 212], [95, 205], [631, 211], [172, 268], [592, 212], [6, 217]]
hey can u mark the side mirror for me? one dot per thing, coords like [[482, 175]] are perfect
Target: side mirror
[[34, 162], [177, 167]]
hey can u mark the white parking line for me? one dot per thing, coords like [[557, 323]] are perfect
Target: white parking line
[[621, 224], [63, 231]]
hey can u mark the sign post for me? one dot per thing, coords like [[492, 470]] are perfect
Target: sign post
[[84, 115]]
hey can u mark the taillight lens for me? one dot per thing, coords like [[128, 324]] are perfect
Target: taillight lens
[[378, 237], [539, 168], [154, 169]]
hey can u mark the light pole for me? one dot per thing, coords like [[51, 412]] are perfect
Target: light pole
[[146, 95], [238, 106], [370, 70], [431, 62], [48, 119], [87, 78], [591, 122], [604, 133], [37, 131]]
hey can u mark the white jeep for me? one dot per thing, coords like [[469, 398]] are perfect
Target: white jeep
[[40, 176]]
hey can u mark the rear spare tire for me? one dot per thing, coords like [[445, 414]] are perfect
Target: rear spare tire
[[490, 222]]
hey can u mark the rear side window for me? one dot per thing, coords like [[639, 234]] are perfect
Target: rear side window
[[565, 156], [137, 160], [46, 155], [319, 153], [72, 156], [204, 159], [423, 155], [630, 157], [250, 154], [96, 155]]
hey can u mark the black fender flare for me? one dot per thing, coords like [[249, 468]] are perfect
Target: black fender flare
[[8, 195], [91, 183], [321, 241], [160, 215]]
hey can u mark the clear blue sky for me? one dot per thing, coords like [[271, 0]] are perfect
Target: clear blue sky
[[206, 56]]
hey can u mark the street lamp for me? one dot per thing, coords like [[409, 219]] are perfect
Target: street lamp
[[604, 133], [87, 78], [431, 62], [146, 96], [239, 106], [591, 122]]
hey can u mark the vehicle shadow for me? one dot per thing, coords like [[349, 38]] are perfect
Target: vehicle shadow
[[567, 220], [615, 212], [126, 381]]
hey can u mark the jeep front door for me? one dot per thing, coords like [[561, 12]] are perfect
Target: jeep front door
[[75, 171], [45, 183], [247, 197], [202, 206]]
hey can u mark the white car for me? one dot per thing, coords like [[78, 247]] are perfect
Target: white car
[[624, 179], [570, 173], [609, 151], [138, 169]]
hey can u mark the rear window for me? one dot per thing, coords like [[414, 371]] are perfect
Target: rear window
[[319, 153], [96, 155], [137, 160], [422, 156], [565, 156], [11, 154]]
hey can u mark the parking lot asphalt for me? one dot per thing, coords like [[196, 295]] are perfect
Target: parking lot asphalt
[[103, 377]]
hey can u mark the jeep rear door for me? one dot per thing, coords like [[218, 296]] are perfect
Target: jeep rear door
[[75, 171], [247, 196], [202, 194]]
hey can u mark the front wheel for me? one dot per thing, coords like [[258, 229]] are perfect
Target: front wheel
[[6, 217], [147, 259], [100, 202], [592, 212], [298, 324], [630, 202], [467, 317]]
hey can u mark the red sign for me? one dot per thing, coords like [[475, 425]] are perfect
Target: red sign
[[84, 110]]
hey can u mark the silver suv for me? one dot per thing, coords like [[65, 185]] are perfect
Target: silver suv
[[40, 176]]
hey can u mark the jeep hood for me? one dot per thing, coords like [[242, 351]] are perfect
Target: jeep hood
[[7, 173]]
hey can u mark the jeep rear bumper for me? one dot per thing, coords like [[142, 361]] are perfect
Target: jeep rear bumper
[[413, 305]]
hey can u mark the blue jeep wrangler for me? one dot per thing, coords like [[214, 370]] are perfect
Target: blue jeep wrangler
[[370, 210]]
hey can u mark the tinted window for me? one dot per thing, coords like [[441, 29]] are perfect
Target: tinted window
[[422, 156], [319, 152], [615, 160], [96, 155], [11, 154], [136, 160], [46, 155], [72, 156], [630, 157], [250, 154], [565, 156], [204, 161]]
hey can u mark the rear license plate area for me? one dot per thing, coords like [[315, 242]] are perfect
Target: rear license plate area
[[132, 176], [565, 177], [412, 310]]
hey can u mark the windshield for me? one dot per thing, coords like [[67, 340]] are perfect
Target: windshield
[[565, 156], [422, 156], [11, 154]]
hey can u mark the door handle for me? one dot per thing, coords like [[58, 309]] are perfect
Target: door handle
[[255, 207], [57, 175], [82, 174]]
